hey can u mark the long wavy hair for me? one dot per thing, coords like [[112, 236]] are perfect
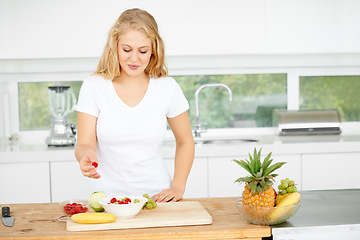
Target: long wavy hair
[[109, 66]]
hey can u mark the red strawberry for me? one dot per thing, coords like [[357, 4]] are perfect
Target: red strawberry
[[78, 208], [95, 164], [113, 200]]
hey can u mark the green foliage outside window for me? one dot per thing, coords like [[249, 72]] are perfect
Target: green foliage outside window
[[255, 96], [332, 92]]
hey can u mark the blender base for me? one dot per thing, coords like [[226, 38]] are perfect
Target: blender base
[[60, 141]]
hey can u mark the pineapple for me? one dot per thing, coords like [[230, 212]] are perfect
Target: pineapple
[[258, 190]]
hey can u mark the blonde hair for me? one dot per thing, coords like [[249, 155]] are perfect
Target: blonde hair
[[109, 66]]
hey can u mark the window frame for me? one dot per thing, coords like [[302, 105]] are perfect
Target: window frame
[[292, 65]]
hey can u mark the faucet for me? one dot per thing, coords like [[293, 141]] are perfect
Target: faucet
[[198, 129]]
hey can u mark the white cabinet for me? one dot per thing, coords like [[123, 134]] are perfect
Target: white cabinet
[[222, 175], [67, 182], [223, 172], [197, 184], [312, 26], [24, 182], [330, 171]]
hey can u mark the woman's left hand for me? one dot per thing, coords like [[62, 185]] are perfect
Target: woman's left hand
[[168, 195]]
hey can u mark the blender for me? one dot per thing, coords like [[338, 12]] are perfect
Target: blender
[[61, 102]]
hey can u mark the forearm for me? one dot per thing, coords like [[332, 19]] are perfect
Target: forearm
[[184, 158], [84, 150]]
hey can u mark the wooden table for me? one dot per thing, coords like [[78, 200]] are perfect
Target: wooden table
[[39, 221]]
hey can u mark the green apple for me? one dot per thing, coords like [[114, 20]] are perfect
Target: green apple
[[94, 198]]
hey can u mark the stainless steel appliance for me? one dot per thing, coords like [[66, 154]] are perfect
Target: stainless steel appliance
[[308, 122], [61, 102]]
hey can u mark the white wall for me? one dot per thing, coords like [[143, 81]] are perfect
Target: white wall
[[61, 40], [78, 28]]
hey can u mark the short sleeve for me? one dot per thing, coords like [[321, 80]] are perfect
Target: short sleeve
[[87, 101], [179, 103]]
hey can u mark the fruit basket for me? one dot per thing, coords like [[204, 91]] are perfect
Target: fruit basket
[[71, 207], [267, 215]]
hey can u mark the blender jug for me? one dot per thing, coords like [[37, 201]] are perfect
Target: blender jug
[[62, 102]]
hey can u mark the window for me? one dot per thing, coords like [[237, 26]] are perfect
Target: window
[[255, 96], [332, 92], [34, 112]]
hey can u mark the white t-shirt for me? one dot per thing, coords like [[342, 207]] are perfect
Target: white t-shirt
[[129, 138]]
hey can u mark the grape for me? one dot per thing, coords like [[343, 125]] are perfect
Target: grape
[[291, 183], [149, 204]]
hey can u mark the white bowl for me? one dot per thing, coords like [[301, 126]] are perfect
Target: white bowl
[[123, 210]]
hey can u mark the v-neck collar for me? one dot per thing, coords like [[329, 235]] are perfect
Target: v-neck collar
[[122, 103]]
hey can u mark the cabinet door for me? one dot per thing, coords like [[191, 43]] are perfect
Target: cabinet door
[[223, 172], [330, 171], [197, 183], [67, 182], [24, 183]]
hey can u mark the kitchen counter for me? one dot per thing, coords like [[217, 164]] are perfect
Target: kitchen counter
[[326, 214], [224, 141], [39, 221]]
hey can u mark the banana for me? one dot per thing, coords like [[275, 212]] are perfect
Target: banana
[[290, 199], [280, 197], [281, 209], [93, 218]]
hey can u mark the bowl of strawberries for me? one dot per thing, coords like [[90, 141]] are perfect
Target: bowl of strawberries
[[71, 207], [123, 206]]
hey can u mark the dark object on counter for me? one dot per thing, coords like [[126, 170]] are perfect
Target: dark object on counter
[[308, 122], [6, 218]]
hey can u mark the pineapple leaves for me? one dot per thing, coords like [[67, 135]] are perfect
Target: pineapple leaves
[[273, 167], [251, 164], [267, 161], [244, 165], [261, 176], [257, 160], [244, 179]]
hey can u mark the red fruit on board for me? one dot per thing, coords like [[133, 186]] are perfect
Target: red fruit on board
[[73, 208], [78, 208], [95, 164]]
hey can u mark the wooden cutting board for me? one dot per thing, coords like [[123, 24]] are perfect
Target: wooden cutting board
[[164, 215]]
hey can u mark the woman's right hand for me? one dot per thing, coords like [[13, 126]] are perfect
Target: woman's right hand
[[86, 167]]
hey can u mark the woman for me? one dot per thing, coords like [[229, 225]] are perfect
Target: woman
[[122, 113]]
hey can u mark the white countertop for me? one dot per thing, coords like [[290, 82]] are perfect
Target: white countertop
[[267, 139]]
